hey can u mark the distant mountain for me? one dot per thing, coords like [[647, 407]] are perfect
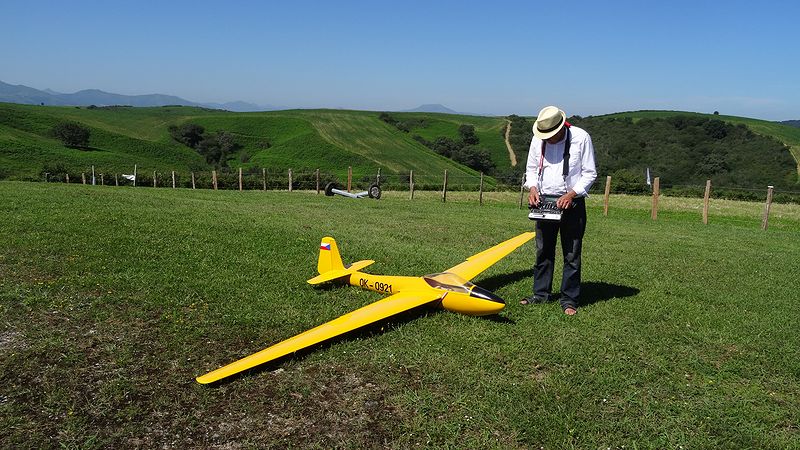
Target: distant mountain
[[30, 96], [437, 108], [433, 108], [792, 123]]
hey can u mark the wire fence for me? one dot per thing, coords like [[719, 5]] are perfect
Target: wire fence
[[316, 179]]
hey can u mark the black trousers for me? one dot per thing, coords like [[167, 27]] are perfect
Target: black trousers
[[572, 227]]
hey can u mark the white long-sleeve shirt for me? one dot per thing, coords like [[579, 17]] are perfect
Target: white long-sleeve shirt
[[582, 170]]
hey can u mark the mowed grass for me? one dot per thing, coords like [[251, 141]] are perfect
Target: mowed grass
[[113, 299]]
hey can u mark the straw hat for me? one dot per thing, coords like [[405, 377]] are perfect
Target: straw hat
[[549, 122]]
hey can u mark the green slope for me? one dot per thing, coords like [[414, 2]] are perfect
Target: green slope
[[330, 140], [488, 129]]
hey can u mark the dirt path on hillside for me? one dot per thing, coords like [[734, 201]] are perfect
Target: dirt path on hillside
[[511, 154]]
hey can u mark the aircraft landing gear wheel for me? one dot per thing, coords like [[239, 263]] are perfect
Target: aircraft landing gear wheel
[[374, 191], [329, 189]]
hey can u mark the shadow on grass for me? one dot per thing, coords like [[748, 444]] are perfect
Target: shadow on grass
[[600, 291], [497, 281]]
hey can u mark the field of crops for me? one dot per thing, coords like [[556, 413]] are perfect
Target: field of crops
[[113, 299]]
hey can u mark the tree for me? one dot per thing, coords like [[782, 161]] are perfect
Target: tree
[[188, 134], [468, 136], [72, 134]]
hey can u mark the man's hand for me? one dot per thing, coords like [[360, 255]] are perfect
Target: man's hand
[[533, 197], [565, 201]]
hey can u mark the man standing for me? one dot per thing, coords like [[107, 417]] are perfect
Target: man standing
[[560, 165]]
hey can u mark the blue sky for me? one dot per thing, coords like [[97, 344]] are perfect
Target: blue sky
[[500, 57]]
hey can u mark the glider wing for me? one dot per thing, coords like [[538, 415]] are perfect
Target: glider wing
[[371, 313], [476, 264]]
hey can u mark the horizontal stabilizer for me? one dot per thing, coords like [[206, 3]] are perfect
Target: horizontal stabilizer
[[339, 273]]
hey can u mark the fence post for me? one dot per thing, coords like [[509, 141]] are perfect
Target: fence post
[[155, 175], [264, 177], [134, 175], [93, 177], [317, 176], [410, 184], [46, 176], [290, 180], [480, 191], [656, 190], [706, 196], [67, 178], [605, 196], [349, 178], [116, 180], [378, 179], [444, 187], [101, 179], [765, 221], [173, 179], [192, 180], [83, 177], [521, 189], [214, 179]]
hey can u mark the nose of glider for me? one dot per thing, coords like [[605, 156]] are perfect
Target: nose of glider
[[480, 292]]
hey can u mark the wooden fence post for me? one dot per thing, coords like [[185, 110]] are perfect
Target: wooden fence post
[[93, 177], [480, 191], [349, 178], [116, 180], [410, 184], [317, 176], [214, 179], [101, 179], [193, 180], [83, 177], [67, 178], [605, 196], [765, 221], [173, 179], [155, 176], [134, 175], [290, 180], [264, 177], [444, 187], [656, 190], [706, 197]]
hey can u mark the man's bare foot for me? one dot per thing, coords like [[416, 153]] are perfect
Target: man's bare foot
[[570, 311]]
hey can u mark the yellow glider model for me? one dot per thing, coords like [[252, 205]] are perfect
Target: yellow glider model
[[451, 289]]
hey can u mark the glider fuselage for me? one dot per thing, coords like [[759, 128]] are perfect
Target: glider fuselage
[[456, 294]]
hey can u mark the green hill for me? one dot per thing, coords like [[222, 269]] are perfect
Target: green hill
[[330, 140], [685, 149], [785, 133], [682, 151]]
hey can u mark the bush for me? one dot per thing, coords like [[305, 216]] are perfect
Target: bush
[[72, 134]]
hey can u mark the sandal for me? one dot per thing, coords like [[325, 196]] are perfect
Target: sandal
[[532, 301]]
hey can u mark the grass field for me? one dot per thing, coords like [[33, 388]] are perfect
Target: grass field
[[113, 299]]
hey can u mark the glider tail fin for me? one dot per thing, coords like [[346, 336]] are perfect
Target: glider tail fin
[[329, 258], [330, 266]]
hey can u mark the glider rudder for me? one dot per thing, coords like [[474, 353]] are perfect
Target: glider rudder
[[330, 266]]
